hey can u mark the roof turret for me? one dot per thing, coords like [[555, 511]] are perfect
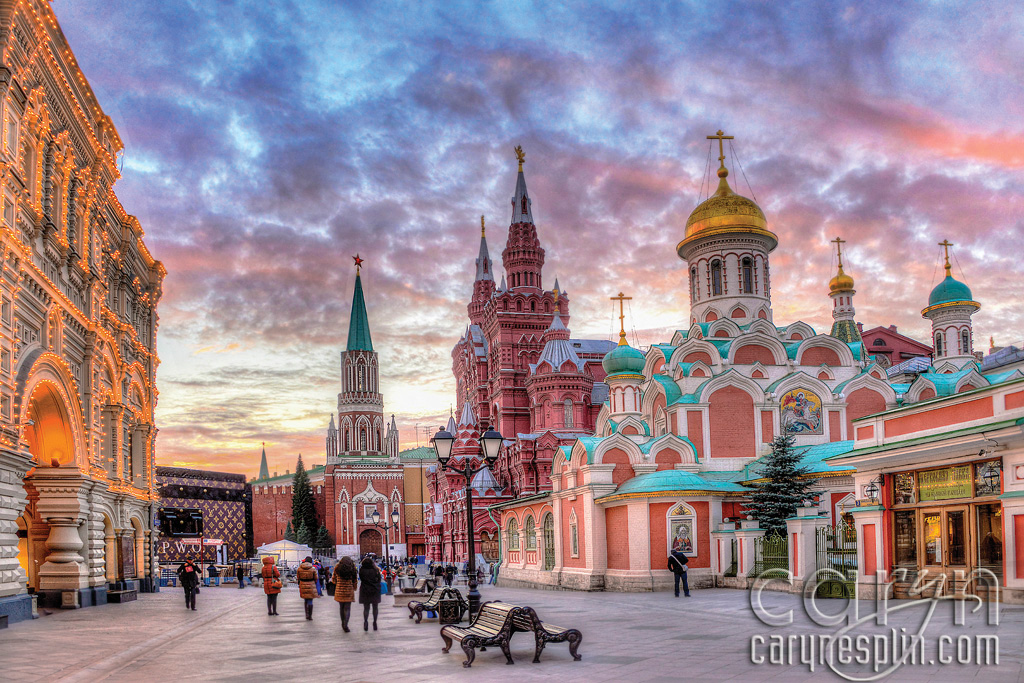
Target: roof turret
[[950, 292], [521, 202], [483, 260], [359, 323]]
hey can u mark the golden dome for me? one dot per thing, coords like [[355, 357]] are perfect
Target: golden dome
[[841, 282], [726, 211]]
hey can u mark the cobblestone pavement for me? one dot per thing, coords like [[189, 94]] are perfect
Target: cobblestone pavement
[[626, 637]]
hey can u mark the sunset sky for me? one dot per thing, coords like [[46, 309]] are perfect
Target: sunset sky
[[267, 142]]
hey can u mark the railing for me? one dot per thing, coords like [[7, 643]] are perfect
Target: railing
[[771, 554], [836, 549]]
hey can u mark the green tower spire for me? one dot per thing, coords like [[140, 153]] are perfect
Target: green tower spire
[[264, 470], [359, 324]]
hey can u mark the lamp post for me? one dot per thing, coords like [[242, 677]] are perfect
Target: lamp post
[[490, 446], [395, 517]]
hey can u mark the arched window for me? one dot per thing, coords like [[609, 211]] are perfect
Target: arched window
[[965, 342], [574, 536], [361, 385], [533, 306], [693, 284], [878, 342], [568, 422], [716, 278], [377, 444], [549, 542], [362, 438], [531, 534], [519, 307], [938, 344], [513, 535], [524, 204], [747, 271], [348, 440]]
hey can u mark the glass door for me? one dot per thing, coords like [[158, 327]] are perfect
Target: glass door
[[944, 544]]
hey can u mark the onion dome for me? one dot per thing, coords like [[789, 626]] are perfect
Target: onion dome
[[841, 282], [624, 358], [726, 212], [950, 292]]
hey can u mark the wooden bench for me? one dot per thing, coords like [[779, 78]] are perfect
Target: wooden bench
[[493, 625], [544, 633], [432, 603]]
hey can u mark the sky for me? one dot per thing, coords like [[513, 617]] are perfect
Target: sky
[[268, 143]]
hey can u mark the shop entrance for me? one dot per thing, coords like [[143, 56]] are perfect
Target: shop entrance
[[944, 544]]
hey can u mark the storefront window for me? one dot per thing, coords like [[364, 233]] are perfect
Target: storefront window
[[986, 478], [906, 538], [956, 535], [990, 537], [933, 539], [903, 489]]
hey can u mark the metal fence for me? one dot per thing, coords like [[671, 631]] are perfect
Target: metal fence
[[771, 552], [836, 548]]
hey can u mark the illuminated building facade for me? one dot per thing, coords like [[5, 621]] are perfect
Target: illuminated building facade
[[78, 321]]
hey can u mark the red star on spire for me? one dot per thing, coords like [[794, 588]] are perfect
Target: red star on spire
[[359, 261]]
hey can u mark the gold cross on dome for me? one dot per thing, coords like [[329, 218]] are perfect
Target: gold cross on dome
[[946, 244], [721, 149], [839, 242], [622, 316]]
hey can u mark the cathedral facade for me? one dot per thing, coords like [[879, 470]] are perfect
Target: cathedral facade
[[78, 297]]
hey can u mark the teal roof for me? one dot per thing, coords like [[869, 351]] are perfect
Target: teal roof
[[264, 470], [997, 377], [567, 452], [666, 349], [421, 453], [590, 443], [666, 481], [791, 349], [672, 392], [945, 382], [623, 359], [359, 324], [312, 473], [900, 388], [949, 291], [813, 458]]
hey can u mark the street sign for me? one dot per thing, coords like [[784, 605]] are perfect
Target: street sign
[[204, 541]]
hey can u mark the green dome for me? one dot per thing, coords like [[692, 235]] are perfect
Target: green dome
[[948, 291], [624, 358]]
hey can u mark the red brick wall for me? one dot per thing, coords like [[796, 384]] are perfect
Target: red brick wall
[[659, 534], [695, 430], [754, 353], [819, 355], [623, 471], [860, 403], [732, 423], [835, 426], [667, 459], [270, 514], [617, 523], [697, 356], [926, 394], [567, 559], [767, 426]]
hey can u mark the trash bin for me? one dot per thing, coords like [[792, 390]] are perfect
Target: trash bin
[[448, 611]]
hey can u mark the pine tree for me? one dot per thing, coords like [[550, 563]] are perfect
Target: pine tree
[[289, 535], [304, 535], [323, 538], [303, 505], [785, 486]]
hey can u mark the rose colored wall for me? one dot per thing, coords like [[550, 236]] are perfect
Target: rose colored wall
[[695, 430], [623, 471], [860, 403], [659, 534], [697, 356], [567, 559], [754, 353], [732, 424], [617, 521], [818, 356], [666, 459]]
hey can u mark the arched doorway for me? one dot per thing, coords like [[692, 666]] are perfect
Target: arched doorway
[[48, 429], [370, 542], [489, 545]]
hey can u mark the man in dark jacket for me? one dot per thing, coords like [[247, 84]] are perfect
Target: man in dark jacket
[[240, 574], [677, 563], [188, 575]]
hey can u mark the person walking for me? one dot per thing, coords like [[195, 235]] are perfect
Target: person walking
[[677, 562], [308, 581], [449, 574], [240, 574], [271, 584], [188, 576], [345, 582], [369, 591]]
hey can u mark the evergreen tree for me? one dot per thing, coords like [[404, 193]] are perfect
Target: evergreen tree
[[785, 486], [289, 535], [303, 505], [323, 538], [304, 535]]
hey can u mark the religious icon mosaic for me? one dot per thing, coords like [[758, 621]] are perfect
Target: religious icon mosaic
[[801, 412]]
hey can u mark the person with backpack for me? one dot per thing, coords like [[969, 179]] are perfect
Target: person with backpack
[[677, 562], [188, 575]]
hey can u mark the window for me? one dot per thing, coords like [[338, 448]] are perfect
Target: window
[[5, 407], [55, 205], [549, 542], [9, 211], [990, 537], [362, 438], [11, 130], [905, 538], [568, 413], [716, 278], [693, 284], [531, 534], [574, 537], [513, 535], [878, 342], [5, 360], [182, 521], [747, 272], [348, 440], [5, 311], [524, 205], [965, 342], [362, 378], [938, 344]]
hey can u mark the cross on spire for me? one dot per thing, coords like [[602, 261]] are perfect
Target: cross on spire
[[946, 244], [839, 242], [720, 136], [621, 298]]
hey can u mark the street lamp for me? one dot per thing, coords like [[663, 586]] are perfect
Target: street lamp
[[395, 517], [490, 446]]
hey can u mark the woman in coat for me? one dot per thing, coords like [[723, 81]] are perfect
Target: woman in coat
[[345, 582], [307, 585], [369, 591], [270, 575]]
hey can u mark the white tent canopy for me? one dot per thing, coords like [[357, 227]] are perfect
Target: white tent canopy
[[289, 552]]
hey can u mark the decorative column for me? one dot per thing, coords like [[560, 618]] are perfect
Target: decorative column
[[15, 602], [802, 532], [63, 506], [870, 521], [745, 535], [721, 543]]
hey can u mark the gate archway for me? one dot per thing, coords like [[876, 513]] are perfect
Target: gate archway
[[370, 542]]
